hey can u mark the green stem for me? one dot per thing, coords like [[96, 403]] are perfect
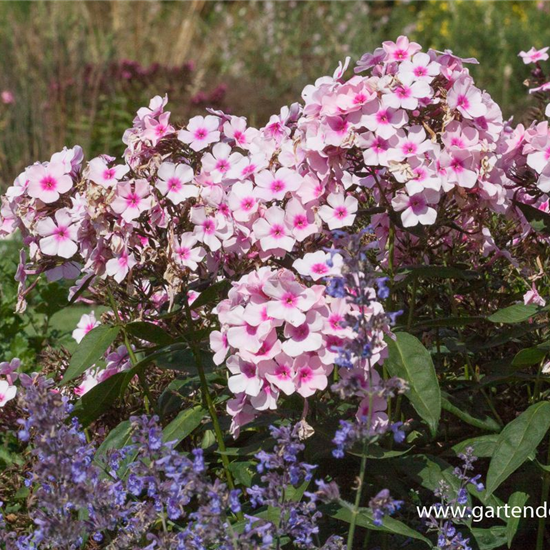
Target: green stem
[[147, 397], [210, 405], [543, 500], [357, 503], [412, 304], [391, 252], [468, 368], [536, 391]]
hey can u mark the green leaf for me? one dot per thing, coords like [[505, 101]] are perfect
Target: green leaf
[[528, 356], [118, 438], [295, 494], [91, 349], [211, 294], [243, 472], [95, 402], [447, 322], [490, 539], [516, 499], [375, 452], [539, 220], [365, 519], [183, 424], [516, 442], [514, 314], [140, 365], [484, 446], [184, 360], [53, 298], [459, 410], [150, 333], [544, 468], [427, 471], [438, 272], [410, 360]]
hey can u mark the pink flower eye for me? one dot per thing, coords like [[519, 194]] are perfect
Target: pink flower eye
[[400, 54], [463, 102], [222, 166], [249, 370], [403, 92], [382, 117], [132, 200], [289, 299], [183, 253], [320, 269], [48, 183], [61, 233], [208, 226], [282, 371], [305, 374], [174, 184], [278, 231], [300, 221], [277, 186], [341, 212], [247, 203]]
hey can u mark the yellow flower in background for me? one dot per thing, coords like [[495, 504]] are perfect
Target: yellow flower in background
[[520, 11]]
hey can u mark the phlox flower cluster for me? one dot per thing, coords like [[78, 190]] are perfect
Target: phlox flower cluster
[[408, 138], [414, 134], [280, 336]]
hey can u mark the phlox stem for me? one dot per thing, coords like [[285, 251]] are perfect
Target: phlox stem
[[357, 503], [210, 405], [147, 398]]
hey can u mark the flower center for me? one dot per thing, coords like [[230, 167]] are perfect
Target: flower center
[[174, 184], [277, 231], [48, 183]]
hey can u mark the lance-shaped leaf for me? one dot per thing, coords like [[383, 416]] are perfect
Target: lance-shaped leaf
[[90, 350], [410, 360], [514, 314], [183, 424], [516, 442]]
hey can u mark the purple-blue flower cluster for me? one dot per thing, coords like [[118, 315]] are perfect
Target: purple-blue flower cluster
[[383, 505], [448, 538], [362, 286], [282, 473], [148, 495]]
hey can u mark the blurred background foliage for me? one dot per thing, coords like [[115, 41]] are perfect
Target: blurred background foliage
[[75, 72]]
